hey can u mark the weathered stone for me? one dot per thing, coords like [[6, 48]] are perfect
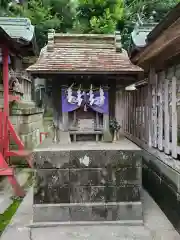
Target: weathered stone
[[87, 180], [87, 159], [87, 212], [52, 186], [29, 127], [51, 214]]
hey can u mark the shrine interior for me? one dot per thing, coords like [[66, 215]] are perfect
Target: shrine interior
[[84, 121]]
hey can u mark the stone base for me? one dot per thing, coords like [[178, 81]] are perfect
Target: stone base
[[121, 212], [87, 185]]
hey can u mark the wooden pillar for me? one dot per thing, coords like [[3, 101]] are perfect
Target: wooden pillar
[[65, 121], [160, 116], [138, 113], [124, 111], [142, 114], [106, 122], [146, 126], [128, 112], [134, 114], [154, 109], [121, 110], [131, 112], [150, 135], [135, 120], [174, 117], [166, 116]]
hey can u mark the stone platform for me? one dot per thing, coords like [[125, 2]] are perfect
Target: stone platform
[[88, 182]]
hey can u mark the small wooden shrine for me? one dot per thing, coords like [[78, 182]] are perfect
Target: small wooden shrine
[[88, 182], [84, 71]]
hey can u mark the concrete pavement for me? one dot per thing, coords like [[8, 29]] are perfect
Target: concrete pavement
[[156, 227]]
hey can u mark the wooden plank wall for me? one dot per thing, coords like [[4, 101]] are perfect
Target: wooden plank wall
[[150, 114]]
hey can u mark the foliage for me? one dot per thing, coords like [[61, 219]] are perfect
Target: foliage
[[45, 15], [86, 16], [114, 125], [147, 10], [98, 16], [4, 8], [40, 16]]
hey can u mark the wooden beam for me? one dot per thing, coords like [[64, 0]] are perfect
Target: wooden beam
[[168, 37], [163, 60]]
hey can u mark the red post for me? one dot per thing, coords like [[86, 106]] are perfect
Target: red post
[[6, 96], [43, 133]]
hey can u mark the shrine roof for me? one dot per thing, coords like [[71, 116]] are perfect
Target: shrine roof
[[12, 45], [140, 33], [83, 53], [22, 31], [161, 43]]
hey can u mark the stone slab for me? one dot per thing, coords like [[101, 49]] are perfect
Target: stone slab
[[88, 212], [90, 176], [86, 159], [56, 190], [122, 144]]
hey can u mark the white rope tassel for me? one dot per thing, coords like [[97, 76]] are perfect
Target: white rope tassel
[[102, 97], [91, 96], [79, 97], [69, 95]]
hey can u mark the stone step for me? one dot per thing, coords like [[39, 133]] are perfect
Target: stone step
[[88, 212]]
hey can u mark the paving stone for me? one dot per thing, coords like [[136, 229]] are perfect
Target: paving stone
[[92, 233], [5, 202], [165, 235], [105, 232], [16, 233]]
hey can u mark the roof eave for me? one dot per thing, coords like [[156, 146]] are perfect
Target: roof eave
[[127, 71], [170, 18]]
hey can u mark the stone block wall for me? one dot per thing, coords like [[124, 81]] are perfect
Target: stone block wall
[[87, 186], [28, 123]]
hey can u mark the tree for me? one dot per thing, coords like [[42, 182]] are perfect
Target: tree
[[98, 16], [4, 7], [64, 10], [147, 10], [45, 15]]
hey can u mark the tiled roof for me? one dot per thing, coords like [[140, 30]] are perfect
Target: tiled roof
[[140, 33], [18, 28], [78, 53]]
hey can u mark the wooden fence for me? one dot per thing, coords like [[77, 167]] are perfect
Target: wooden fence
[[151, 114]]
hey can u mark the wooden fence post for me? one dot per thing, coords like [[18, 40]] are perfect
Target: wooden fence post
[[174, 117], [160, 115], [166, 117]]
